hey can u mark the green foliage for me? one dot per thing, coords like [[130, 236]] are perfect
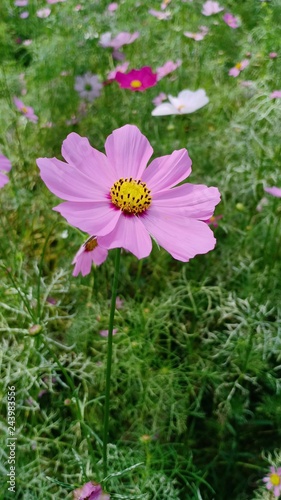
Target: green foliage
[[196, 408]]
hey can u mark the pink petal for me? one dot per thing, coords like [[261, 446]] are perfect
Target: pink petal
[[167, 171], [274, 191], [68, 183], [277, 491], [128, 151], [182, 237], [165, 109], [77, 151], [130, 234], [92, 218], [195, 201], [5, 163], [83, 259]]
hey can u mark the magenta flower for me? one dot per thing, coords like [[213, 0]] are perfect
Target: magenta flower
[[137, 79], [27, 111], [236, 70], [119, 41], [122, 68], [43, 13], [112, 7], [210, 8], [276, 94], [274, 191], [89, 253], [273, 481], [203, 30], [168, 67], [162, 16], [123, 203], [5, 166], [231, 20], [88, 86], [273, 55], [90, 491]]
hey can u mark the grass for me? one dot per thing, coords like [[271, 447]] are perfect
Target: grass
[[195, 404]]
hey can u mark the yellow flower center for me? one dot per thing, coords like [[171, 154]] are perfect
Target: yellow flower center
[[238, 66], [275, 479], [131, 196], [24, 109], [90, 244], [136, 84]]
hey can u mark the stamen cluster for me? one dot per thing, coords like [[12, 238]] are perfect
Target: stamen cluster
[[131, 196]]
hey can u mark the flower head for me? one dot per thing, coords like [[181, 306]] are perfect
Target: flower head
[[159, 98], [186, 102], [90, 491], [274, 191], [27, 111], [236, 70], [213, 221], [137, 79], [24, 15], [89, 253], [112, 7], [123, 38], [21, 3], [203, 30], [273, 481], [5, 166], [88, 86], [104, 333], [43, 13], [162, 16], [231, 20], [273, 55], [210, 8], [167, 68], [123, 203], [276, 94]]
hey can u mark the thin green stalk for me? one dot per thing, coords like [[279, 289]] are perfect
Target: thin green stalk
[[109, 359]]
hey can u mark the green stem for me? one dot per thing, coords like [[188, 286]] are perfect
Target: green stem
[[109, 359]]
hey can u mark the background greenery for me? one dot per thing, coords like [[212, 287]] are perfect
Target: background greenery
[[196, 373]]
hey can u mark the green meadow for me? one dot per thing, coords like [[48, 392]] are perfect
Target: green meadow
[[195, 405]]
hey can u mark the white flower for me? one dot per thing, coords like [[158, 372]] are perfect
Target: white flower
[[186, 102]]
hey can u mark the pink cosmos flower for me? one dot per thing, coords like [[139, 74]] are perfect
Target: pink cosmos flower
[[210, 8], [122, 68], [27, 111], [159, 98], [186, 102], [119, 304], [276, 94], [104, 333], [5, 166], [203, 30], [54, 1], [273, 481], [231, 20], [236, 70], [121, 39], [89, 253], [21, 3], [24, 14], [43, 13], [274, 191], [165, 4], [213, 221], [88, 86], [168, 67], [123, 203], [162, 16], [273, 55], [112, 7], [137, 79], [90, 491]]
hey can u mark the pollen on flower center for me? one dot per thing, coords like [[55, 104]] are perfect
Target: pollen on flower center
[[90, 244], [238, 65], [24, 109], [131, 196], [136, 84], [275, 479]]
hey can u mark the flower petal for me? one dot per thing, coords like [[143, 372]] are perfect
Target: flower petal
[[68, 183], [78, 152], [128, 151], [182, 237], [93, 218], [130, 234], [192, 200], [167, 171], [5, 163], [165, 109]]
